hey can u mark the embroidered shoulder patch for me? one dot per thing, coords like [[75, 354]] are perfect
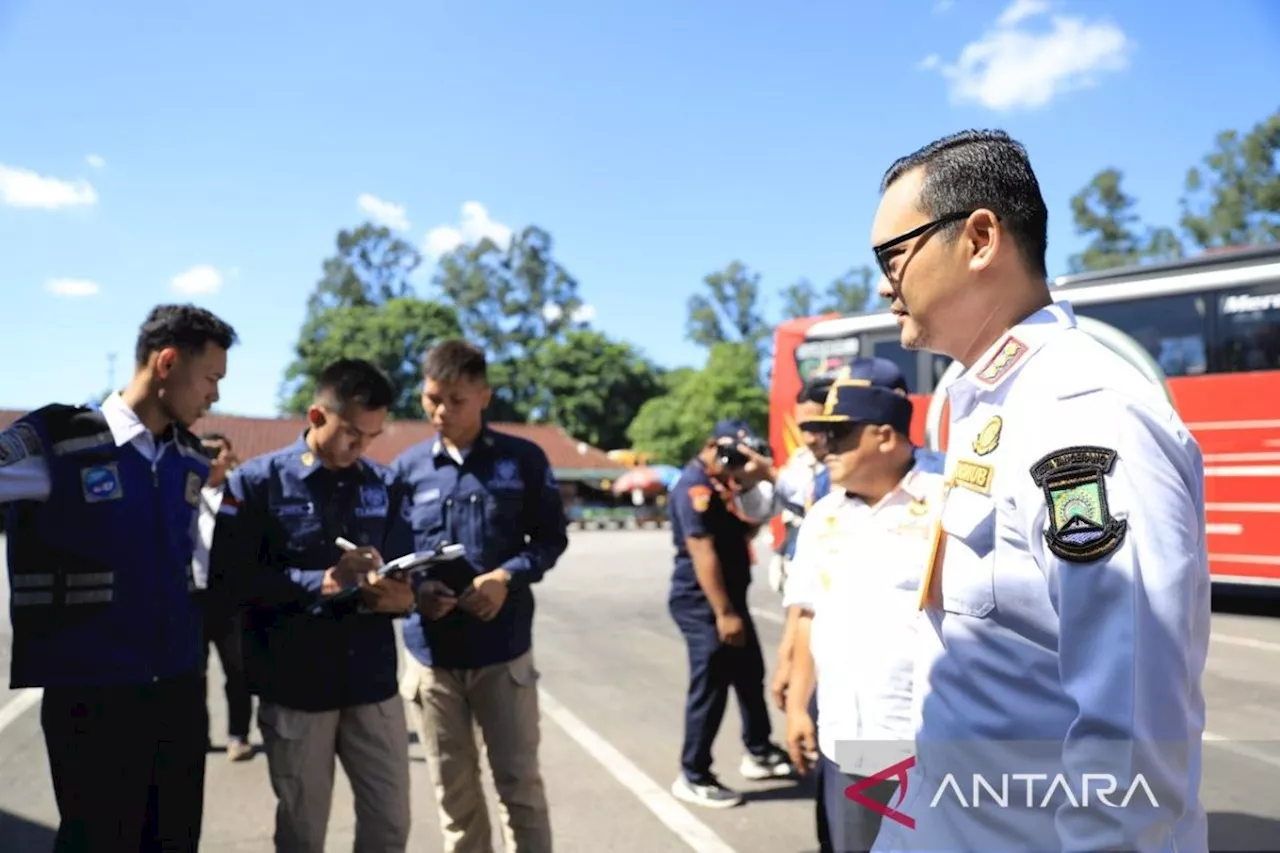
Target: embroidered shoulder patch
[[1081, 527], [700, 497], [18, 442]]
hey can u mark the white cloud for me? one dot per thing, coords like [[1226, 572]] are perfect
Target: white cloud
[[930, 62], [1020, 10], [95, 160], [582, 314], [943, 6], [475, 226], [25, 188], [72, 288], [200, 280], [1013, 67], [383, 212]]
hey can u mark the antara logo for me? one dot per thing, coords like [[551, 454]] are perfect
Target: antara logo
[[897, 772]]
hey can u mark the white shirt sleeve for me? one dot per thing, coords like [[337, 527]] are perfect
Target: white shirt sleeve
[[24, 475], [801, 589], [759, 503], [1129, 580]]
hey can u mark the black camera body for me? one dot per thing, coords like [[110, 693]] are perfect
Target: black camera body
[[731, 457]]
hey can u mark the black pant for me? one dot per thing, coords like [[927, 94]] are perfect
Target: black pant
[[714, 668], [127, 766], [224, 629], [852, 826], [820, 788]]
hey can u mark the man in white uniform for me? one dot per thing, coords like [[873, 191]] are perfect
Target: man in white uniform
[[1068, 604], [861, 553]]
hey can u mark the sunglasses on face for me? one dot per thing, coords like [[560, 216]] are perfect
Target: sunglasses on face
[[882, 251]]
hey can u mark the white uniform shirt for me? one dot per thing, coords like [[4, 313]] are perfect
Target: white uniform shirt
[[24, 476], [1088, 645], [206, 521], [857, 568]]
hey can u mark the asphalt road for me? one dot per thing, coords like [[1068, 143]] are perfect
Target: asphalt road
[[613, 672]]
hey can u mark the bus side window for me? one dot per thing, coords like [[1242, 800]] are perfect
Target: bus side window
[[1248, 328], [907, 361], [1174, 329]]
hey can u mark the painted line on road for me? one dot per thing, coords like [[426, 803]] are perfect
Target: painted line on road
[[18, 705], [1246, 642], [656, 799], [768, 616], [1230, 745]]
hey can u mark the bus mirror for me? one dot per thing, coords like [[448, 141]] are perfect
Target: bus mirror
[[1115, 340]]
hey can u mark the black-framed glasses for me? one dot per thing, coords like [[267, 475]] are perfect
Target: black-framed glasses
[[879, 250]]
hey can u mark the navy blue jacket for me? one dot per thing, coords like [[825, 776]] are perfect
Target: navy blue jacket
[[697, 509], [504, 505], [273, 543], [100, 572]]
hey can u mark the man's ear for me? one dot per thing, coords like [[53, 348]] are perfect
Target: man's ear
[[486, 397], [163, 361]]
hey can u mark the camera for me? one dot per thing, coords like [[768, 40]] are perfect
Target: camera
[[732, 457]]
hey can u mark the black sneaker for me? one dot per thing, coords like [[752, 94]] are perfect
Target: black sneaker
[[706, 792], [773, 764]]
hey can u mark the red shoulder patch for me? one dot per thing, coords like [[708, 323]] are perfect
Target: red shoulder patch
[[700, 497]]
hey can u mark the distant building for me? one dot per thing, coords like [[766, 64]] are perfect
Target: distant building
[[577, 465]]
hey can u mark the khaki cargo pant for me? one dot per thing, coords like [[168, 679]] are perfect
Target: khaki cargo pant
[[502, 702], [371, 741]]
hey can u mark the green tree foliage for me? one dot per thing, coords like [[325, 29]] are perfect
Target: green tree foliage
[[364, 307], [593, 387], [1233, 199], [514, 301], [852, 293], [1106, 214], [730, 312], [673, 427]]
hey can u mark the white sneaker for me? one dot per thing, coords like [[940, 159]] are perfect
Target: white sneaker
[[708, 793]]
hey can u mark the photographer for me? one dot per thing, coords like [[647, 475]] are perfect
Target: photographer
[[721, 498]]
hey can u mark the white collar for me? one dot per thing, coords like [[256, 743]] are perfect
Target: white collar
[[121, 420]]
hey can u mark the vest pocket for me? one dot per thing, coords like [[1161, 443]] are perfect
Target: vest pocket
[[968, 568]]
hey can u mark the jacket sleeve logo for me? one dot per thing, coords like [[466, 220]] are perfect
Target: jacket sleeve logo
[[1081, 527]]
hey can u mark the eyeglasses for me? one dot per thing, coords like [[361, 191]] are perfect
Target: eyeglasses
[[879, 250]]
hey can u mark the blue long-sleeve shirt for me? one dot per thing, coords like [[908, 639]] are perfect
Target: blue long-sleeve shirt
[[501, 502], [274, 540]]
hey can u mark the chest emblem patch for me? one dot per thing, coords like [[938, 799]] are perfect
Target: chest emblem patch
[[1081, 527], [989, 438]]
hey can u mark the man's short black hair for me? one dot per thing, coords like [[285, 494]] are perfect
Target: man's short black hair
[[354, 380], [976, 169], [455, 359], [185, 327]]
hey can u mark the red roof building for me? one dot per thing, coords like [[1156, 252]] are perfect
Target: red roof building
[[572, 461]]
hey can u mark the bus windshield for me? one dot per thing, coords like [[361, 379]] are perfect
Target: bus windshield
[[815, 358]]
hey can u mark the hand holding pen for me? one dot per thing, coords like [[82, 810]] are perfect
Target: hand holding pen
[[351, 569]]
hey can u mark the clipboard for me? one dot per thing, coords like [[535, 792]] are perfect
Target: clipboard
[[402, 568]]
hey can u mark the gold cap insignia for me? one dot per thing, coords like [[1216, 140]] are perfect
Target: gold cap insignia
[[308, 458]]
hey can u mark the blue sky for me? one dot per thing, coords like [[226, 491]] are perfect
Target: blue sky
[[152, 152]]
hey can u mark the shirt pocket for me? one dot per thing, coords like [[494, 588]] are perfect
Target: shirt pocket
[[427, 517], [302, 527], [968, 568]]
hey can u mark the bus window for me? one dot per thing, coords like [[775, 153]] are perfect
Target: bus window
[[825, 356], [1248, 329], [906, 360], [1172, 328], [938, 365]]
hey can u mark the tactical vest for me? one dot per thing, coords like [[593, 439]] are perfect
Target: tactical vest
[[100, 573]]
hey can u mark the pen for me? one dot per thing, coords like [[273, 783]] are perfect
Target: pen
[[345, 544]]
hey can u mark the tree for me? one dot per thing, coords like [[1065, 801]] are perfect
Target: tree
[[364, 307], [1105, 211], [1234, 200], [673, 427], [852, 293], [593, 387], [513, 301], [731, 313]]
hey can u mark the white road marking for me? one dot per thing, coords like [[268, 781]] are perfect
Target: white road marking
[[1229, 745], [18, 705], [1247, 642], [768, 616], [654, 797]]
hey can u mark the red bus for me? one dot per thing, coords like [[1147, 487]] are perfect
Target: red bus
[[1211, 323]]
